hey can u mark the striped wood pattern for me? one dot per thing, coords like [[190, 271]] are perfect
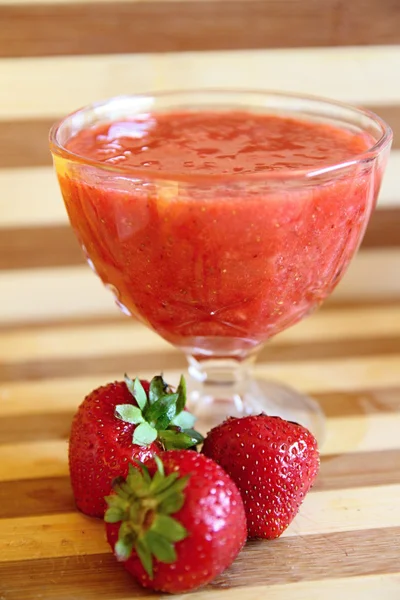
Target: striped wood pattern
[[60, 334]]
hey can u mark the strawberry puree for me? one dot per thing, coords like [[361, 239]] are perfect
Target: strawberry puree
[[204, 233]]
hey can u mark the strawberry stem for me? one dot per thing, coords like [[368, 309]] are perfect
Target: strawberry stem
[[143, 505], [160, 414]]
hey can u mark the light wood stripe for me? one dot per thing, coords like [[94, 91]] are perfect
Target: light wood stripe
[[356, 411], [37, 397], [145, 361], [96, 340], [53, 293], [377, 267], [341, 555], [335, 376], [46, 87], [42, 206], [113, 318], [388, 195], [202, 25], [72, 292], [310, 375], [360, 415], [33, 460], [53, 536], [358, 588], [31, 197], [363, 433]]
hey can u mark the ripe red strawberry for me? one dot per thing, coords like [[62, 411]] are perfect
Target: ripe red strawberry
[[178, 523], [118, 423], [274, 464]]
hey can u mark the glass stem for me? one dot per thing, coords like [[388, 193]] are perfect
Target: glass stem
[[218, 382]]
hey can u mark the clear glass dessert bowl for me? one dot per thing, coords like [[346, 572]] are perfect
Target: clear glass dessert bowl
[[219, 262]]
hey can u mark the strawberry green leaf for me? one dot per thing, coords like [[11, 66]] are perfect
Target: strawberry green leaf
[[157, 389], [158, 545], [137, 391], [179, 439], [184, 420], [129, 413], [144, 555], [144, 434], [172, 498], [113, 515], [180, 405], [140, 394], [123, 548], [121, 488], [160, 466], [142, 504], [161, 483], [161, 413], [169, 528], [129, 384], [143, 471], [172, 504], [195, 435], [136, 480]]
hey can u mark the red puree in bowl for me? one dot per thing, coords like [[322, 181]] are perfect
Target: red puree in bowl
[[205, 232]]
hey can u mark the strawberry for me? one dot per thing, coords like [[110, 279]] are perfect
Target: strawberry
[[274, 464], [177, 523], [118, 423]]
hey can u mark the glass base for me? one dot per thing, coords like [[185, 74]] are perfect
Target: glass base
[[212, 400]]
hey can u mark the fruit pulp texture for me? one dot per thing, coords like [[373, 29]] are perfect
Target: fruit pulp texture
[[227, 260]]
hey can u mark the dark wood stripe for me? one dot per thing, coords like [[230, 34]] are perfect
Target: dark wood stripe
[[35, 369], [54, 495], [56, 246], [359, 469], [383, 230], [122, 27], [95, 577], [283, 561], [30, 498], [24, 142], [316, 557], [35, 427], [37, 247], [359, 402]]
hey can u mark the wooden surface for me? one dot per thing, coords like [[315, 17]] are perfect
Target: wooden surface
[[42, 29], [60, 334]]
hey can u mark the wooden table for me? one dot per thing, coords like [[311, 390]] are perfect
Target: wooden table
[[61, 336], [345, 540]]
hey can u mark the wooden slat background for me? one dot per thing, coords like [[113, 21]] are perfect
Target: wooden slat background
[[61, 335]]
